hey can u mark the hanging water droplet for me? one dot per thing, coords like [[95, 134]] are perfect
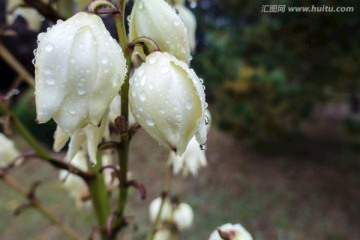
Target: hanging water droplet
[[104, 58], [80, 89], [189, 105], [50, 80], [143, 80], [40, 36], [150, 121], [33, 61], [49, 47], [143, 96], [207, 120], [59, 21], [203, 147]]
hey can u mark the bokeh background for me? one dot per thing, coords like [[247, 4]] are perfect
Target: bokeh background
[[283, 150]]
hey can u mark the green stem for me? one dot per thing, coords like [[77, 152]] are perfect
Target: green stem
[[123, 149], [14, 63], [11, 182], [99, 195]]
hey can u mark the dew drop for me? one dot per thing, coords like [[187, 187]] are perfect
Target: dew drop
[[203, 147], [152, 60], [176, 22], [143, 80], [80, 89], [46, 70], [207, 120], [72, 112], [49, 47], [49, 80], [72, 60], [59, 21], [141, 6], [189, 105], [104, 58], [33, 61], [40, 36], [151, 86], [150, 121], [141, 72], [143, 96], [162, 111]]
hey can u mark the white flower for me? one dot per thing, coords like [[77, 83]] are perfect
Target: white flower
[[87, 138], [163, 234], [76, 185], [166, 211], [79, 69], [73, 183], [191, 161], [8, 151], [232, 231], [190, 22], [183, 216], [157, 20], [168, 101]]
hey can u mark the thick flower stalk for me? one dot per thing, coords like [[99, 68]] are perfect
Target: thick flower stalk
[[79, 69], [230, 232], [157, 20], [8, 151], [168, 101]]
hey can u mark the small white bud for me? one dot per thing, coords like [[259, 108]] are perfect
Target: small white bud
[[16, 8], [157, 20], [8, 151], [232, 232], [166, 211], [168, 101], [183, 216], [79, 69]]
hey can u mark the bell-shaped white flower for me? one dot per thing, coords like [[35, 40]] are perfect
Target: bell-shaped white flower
[[191, 161], [87, 138], [168, 101], [231, 232], [79, 69], [8, 151], [157, 20], [183, 216], [73, 183], [166, 211], [189, 20], [163, 234], [193, 158]]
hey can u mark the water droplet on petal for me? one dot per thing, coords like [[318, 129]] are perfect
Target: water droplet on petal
[[176, 22], [72, 112], [189, 105], [203, 147], [141, 6], [141, 72], [50, 80], [59, 21], [104, 58], [49, 47], [143, 80], [150, 121], [152, 60], [80, 89], [143, 96]]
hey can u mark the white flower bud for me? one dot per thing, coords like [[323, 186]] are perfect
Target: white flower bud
[[183, 216], [157, 20], [115, 111], [232, 232], [163, 234], [8, 152], [191, 161], [168, 101], [166, 211], [73, 183], [79, 69], [190, 22]]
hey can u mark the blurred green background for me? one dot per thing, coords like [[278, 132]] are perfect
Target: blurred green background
[[283, 152]]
